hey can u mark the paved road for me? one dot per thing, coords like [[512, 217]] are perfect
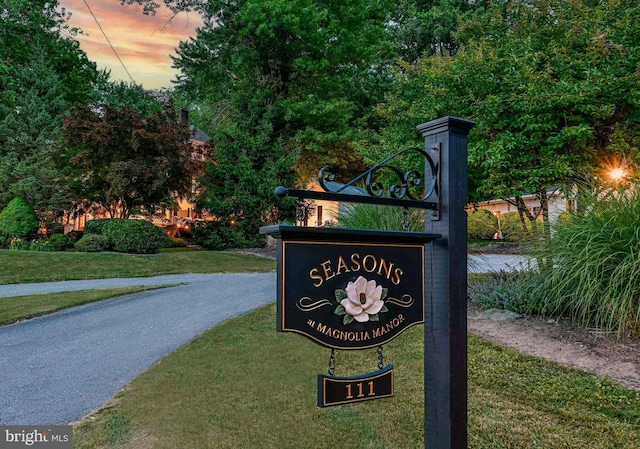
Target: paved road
[[481, 263], [47, 364]]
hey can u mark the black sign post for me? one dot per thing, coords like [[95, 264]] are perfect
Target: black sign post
[[445, 383]]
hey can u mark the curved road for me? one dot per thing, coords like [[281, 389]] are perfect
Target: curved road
[[57, 368]]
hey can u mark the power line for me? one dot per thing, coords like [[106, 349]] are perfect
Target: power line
[[108, 41]]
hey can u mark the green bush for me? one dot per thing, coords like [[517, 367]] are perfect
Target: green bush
[[91, 243], [42, 245], [217, 236], [512, 230], [592, 264], [174, 242], [60, 242], [481, 224], [19, 244], [18, 220], [97, 226], [128, 236], [134, 236]]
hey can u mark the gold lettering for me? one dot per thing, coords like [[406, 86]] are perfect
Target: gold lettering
[[355, 258], [313, 274], [386, 267], [364, 263], [376, 333], [397, 273], [326, 266], [322, 328], [342, 266]]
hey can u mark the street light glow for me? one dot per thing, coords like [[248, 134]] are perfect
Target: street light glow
[[617, 174]]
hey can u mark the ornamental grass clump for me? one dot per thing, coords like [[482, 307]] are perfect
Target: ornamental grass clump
[[386, 218], [592, 269]]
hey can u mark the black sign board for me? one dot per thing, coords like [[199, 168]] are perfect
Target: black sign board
[[344, 390], [346, 288]]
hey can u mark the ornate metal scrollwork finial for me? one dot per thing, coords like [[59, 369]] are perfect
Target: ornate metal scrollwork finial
[[383, 184], [410, 185]]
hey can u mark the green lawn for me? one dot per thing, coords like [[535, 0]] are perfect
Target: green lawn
[[243, 385], [35, 266], [18, 308]]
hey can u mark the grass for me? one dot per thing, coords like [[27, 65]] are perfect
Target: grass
[[592, 271], [35, 266], [243, 385], [18, 308]]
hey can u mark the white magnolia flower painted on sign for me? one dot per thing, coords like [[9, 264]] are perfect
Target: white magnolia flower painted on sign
[[361, 300]]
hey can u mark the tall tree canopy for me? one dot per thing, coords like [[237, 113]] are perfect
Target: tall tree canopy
[[552, 85], [31, 29], [42, 72], [278, 83], [128, 161]]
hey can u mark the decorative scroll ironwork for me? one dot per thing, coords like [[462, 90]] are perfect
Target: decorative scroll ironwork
[[410, 189], [405, 187]]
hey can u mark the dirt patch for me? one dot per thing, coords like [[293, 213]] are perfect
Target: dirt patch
[[559, 341]]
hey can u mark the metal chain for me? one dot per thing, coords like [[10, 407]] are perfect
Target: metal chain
[[380, 358], [332, 363], [405, 219]]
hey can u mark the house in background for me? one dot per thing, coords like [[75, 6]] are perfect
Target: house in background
[[557, 204], [184, 211]]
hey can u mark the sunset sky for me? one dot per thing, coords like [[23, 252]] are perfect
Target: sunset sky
[[143, 43]]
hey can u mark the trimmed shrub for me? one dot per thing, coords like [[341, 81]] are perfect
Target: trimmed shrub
[[18, 220], [60, 242], [134, 236], [128, 236], [481, 224], [97, 226], [511, 228], [91, 243]]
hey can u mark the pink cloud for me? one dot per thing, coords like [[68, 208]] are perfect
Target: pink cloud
[[144, 43]]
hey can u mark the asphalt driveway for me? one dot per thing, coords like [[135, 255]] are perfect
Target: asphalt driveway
[[57, 368]]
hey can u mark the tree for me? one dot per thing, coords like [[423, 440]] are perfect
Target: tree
[[282, 83], [31, 29], [426, 27], [551, 84], [42, 71], [17, 220], [128, 162], [30, 121]]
